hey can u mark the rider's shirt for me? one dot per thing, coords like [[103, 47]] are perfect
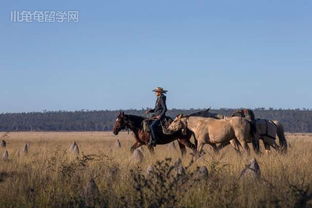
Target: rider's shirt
[[160, 107]]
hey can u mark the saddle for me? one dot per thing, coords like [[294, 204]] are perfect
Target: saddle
[[164, 123]]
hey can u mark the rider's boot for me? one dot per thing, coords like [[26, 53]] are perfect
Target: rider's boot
[[152, 141], [153, 137]]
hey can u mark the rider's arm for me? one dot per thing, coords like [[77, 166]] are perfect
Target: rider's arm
[[163, 105], [151, 111]]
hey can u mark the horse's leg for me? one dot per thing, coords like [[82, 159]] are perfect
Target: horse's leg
[[275, 146], [135, 146], [255, 143], [182, 149], [151, 149], [236, 145], [244, 143], [195, 141], [266, 147], [186, 142], [222, 145], [270, 142], [246, 147], [200, 147], [215, 148], [242, 134]]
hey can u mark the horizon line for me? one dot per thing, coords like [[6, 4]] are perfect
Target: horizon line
[[142, 109]]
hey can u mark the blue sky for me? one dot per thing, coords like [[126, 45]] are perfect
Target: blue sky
[[242, 53]]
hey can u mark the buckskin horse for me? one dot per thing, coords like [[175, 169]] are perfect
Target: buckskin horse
[[261, 129], [136, 125], [214, 131]]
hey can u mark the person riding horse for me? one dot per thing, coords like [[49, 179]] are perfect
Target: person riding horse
[[159, 113]]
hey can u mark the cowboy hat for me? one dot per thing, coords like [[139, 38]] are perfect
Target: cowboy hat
[[160, 89]]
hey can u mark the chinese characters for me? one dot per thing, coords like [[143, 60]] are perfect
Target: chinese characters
[[45, 16]]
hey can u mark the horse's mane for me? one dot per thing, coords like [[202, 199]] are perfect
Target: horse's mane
[[199, 113], [134, 119], [205, 113]]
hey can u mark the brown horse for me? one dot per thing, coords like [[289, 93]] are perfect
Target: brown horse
[[135, 124]]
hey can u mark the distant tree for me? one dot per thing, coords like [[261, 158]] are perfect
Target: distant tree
[[298, 120]]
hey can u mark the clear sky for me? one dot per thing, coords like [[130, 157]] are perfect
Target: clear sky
[[241, 53]]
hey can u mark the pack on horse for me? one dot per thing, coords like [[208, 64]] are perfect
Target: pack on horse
[[142, 137], [266, 130]]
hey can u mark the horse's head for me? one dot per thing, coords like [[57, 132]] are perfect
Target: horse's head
[[179, 123], [244, 113], [120, 123]]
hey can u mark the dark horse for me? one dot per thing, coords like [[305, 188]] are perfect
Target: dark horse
[[135, 124]]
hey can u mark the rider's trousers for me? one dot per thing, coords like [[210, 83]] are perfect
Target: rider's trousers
[[153, 128]]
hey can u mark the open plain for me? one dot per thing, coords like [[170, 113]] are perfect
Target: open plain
[[100, 173]]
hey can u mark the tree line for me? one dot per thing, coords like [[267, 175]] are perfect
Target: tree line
[[295, 120]]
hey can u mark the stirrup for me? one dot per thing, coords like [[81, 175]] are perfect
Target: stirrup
[[152, 143]]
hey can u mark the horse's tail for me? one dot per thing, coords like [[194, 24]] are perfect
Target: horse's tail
[[281, 136], [254, 136]]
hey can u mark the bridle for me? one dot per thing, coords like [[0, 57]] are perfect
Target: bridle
[[124, 126]]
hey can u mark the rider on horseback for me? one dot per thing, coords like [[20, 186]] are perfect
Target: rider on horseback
[[158, 114]]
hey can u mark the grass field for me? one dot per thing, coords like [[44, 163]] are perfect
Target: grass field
[[50, 175]]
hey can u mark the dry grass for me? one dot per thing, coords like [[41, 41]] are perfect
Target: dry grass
[[51, 176]]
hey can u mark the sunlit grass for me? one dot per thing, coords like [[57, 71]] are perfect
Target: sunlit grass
[[50, 175]]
